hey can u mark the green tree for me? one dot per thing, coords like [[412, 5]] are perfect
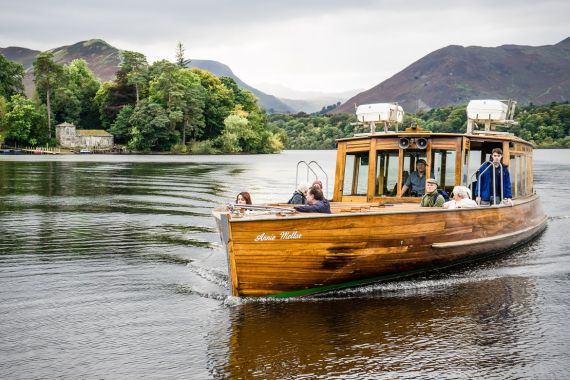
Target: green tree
[[24, 121], [218, 103], [150, 128], [3, 110], [73, 95], [236, 131], [180, 61], [11, 78], [46, 73], [191, 103], [121, 128], [85, 85], [135, 68]]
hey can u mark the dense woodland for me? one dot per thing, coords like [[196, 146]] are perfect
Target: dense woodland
[[168, 107], [160, 107], [546, 126]]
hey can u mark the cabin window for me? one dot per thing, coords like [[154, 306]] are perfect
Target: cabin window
[[518, 174], [474, 162], [443, 168], [411, 157], [386, 172], [356, 174]]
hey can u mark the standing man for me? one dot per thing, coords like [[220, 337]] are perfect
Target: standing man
[[417, 180], [432, 198], [484, 186]]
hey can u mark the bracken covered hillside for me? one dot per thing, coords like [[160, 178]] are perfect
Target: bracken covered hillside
[[456, 74]]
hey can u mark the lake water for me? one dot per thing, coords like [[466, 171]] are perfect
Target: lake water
[[111, 267]]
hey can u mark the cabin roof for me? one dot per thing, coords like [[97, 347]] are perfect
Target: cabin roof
[[424, 133], [93, 132]]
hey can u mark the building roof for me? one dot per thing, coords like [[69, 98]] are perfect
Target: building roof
[[65, 124], [93, 132]]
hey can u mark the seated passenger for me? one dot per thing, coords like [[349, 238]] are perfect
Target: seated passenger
[[416, 182], [432, 198], [316, 202], [461, 199], [243, 198], [317, 183], [299, 197]]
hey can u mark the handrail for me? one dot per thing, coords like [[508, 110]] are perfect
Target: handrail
[[326, 176], [297, 173], [494, 184]]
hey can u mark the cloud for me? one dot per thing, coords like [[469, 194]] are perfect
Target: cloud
[[326, 45]]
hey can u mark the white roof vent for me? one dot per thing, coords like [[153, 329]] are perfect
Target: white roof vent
[[481, 110], [489, 112], [385, 113], [388, 112]]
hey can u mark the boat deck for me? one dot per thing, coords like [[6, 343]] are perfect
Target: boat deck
[[349, 208]]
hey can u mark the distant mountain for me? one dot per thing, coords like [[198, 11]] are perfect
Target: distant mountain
[[307, 101], [104, 60], [269, 102], [23, 56], [456, 74]]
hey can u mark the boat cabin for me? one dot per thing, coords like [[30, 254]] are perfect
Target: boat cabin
[[373, 167]]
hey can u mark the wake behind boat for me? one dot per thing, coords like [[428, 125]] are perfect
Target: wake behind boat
[[377, 229]]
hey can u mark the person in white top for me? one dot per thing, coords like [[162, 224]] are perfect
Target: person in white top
[[461, 199]]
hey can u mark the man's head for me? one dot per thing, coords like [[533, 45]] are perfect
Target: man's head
[[496, 155], [421, 166], [431, 185], [314, 195]]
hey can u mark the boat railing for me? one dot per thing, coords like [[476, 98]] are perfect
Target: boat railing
[[494, 184], [236, 208], [325, 175], [311, 170]]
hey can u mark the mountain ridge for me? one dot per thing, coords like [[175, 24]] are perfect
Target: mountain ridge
[[269, 102], [455, 74], [104, 60]]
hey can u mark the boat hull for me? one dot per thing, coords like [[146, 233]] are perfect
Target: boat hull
[[289, 256]]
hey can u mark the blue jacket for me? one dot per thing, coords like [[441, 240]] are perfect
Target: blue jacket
[[486, 182], [321, 206]]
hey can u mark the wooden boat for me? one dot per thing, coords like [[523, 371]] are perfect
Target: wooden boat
[[374, 231]]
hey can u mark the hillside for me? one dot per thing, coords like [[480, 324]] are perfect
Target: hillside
[[104, 59], [269, 102], [456, 74]]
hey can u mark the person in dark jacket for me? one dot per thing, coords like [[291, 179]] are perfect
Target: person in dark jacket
[[484, 187], [298, 197], [316, 202]]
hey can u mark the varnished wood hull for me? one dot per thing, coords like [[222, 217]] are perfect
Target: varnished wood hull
[[323, 251]]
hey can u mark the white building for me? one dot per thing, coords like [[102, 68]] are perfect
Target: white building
[[69, 137]]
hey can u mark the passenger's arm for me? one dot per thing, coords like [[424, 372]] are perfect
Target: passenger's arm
[[307, 208]]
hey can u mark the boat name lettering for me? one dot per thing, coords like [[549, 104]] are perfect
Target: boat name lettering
[[284, 235]]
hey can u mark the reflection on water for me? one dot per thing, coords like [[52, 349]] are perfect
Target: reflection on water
[[456, 330], [110, 266]]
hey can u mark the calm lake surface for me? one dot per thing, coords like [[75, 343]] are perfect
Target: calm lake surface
[[111, 267]]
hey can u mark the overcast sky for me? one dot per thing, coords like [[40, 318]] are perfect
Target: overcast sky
[[321, 45]]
